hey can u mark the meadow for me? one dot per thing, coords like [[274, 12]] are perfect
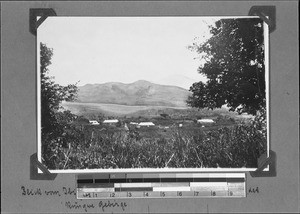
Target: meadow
[[93, 110], [228, 143]]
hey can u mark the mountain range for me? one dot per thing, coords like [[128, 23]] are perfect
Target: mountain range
[[139, 93], [178, 80]]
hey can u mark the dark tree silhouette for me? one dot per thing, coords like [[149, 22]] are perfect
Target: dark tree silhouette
[[56, 124], [234, 66], [164, 115], [52, 94]]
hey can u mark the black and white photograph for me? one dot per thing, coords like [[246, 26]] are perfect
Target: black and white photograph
[[178, 93]]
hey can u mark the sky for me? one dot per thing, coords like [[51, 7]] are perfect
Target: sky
[[92, 50]]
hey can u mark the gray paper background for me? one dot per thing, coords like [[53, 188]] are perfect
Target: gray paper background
[[18, 93]]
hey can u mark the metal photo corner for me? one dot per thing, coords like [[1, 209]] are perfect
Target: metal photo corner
[[268, 14]]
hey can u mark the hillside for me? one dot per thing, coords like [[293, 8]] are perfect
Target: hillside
[[178, 80], [116, 110], [139, 93]]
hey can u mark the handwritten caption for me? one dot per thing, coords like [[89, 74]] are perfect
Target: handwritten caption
[[103, 205], [39, 191], [82, 205], [252, 190]]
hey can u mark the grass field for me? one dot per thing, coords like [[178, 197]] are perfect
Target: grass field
[[115, 110], [97, 148], [176, 140], [109, 109], [227, 143]]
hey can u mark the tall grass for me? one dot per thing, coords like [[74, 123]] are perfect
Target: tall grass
[[228, 147]]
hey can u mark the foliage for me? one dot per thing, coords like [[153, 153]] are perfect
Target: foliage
[[164, 115], [82, 120], [234, 67], [236, 146], [52, 94], [54, 121]]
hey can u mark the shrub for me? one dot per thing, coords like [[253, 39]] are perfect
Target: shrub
[[236, 146]]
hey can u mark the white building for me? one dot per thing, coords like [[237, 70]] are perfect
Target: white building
[[110, 121], [207, 121], [146, 124], [94, 122]]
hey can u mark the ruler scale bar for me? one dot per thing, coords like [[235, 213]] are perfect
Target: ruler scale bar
[[85, 181], [95, 185], [136, 180], [166, 185], [133, 189], [101, 180]]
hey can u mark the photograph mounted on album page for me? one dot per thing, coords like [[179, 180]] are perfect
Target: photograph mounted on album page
[[152, 94]]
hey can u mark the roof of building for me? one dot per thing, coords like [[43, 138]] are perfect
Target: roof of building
[[146, 124], [206, 121], [93, 121], [111, 121]]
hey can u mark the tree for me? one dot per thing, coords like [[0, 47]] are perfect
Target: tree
[[234, 66], [56, 124], [164, 115], [52, 94]]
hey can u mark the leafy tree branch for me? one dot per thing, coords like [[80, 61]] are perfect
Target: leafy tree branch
[[234, 66]]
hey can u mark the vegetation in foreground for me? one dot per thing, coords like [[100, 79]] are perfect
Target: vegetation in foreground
[[87, 147]]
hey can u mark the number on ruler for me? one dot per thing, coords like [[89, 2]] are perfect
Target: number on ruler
[[213, 193], [129, 194], [179, 193], [196, 193], [162, 194], [87, 195], [112, 195], [230, 193], [146, 194]]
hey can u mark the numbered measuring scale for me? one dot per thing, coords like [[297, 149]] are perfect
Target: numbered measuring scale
[[166, 185]]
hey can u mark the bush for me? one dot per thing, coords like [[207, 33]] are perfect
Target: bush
[[237, 146]]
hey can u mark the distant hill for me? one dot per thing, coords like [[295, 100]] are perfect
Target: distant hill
[[139, 93], [178, 80]]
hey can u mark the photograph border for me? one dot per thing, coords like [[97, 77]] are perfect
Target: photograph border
[[158, 170]]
